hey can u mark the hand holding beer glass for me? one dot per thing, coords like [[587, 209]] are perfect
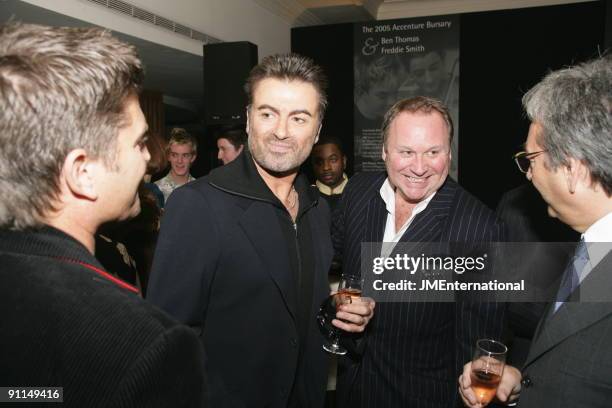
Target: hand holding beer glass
[[487, 368], [349, 290]]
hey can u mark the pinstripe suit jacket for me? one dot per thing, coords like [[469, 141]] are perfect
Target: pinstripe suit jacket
[[413, 352]]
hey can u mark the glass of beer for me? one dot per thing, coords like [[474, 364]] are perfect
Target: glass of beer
[[349, 291], [487, 368]]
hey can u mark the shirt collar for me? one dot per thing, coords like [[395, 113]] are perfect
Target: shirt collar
[[387, 193], [325, 189], [599, 238], [174, 184]]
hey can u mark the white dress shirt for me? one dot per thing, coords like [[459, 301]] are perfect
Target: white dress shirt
[[595, 237], [392, 237]]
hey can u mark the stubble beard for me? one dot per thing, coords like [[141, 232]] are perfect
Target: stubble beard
[[277, 164]]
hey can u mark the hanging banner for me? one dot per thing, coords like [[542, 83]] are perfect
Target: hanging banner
[[396, 59]]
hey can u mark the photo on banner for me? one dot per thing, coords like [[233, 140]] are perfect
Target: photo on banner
[[396, 59]]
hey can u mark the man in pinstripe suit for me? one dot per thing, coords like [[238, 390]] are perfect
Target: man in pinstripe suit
[[412, 352]]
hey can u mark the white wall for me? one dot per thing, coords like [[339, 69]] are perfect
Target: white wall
[[227, 20]]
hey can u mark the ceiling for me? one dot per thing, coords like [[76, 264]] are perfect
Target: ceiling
[[179, 75], [317, 12]]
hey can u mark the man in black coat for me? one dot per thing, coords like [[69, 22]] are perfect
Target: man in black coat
[[243, 253], [412, 351], [73, 154]]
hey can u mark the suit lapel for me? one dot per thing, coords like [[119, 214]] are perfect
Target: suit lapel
[[426, 226], [545, 316], [372, 231], [376, 219], [567, 321], [574, 315], [261, 226]]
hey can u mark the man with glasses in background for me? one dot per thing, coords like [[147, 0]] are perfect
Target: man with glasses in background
[[546, 247], [567, 158]]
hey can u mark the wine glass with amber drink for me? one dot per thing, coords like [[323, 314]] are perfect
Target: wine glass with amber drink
[[349, 291], [487, 368]]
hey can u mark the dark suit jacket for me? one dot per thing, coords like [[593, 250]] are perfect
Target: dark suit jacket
[[222, 264], [414, 352], [570, 360], [65, 325], [524, 213]]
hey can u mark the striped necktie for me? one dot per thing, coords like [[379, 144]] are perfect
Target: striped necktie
[[571, 276]]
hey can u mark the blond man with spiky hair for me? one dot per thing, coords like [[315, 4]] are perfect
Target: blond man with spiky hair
[[182, 151]]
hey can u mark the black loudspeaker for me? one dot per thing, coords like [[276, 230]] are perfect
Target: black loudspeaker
[[608, 27], [226, 68]]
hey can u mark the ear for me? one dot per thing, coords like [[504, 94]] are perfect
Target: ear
[[318, 133], [79, 174], [384, 152], [193, 157], [343, 162], [240, 148], [576, 174], [247, 121]]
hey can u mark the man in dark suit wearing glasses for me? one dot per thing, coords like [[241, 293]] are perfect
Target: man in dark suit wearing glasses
[[567, 158]]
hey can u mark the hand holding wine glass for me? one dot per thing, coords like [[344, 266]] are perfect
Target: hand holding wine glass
[[487, 376], [508, 390], [487, 368], [344, 311]]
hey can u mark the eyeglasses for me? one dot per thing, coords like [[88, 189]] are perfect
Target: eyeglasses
[[523, 159]]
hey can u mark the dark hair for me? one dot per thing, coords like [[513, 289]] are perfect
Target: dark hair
[[290, 67], [420, 104], [61, 88], [326, 139], [237, 137], [158, 160]]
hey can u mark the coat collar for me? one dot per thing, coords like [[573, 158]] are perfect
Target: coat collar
[[46, 242], [260, 225], [240, 177], [49, 242]]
